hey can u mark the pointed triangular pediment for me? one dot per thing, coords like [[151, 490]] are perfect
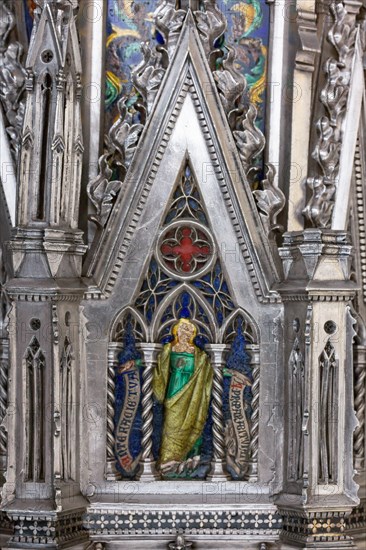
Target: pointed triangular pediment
[[187, 121], [49, 45]]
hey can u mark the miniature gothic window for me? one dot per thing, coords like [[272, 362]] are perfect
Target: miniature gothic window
[[35, 412], [184, 305], [328, 414], [68, 426], [46, 96]]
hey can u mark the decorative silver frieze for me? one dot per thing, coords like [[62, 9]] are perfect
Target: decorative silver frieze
[[315, 527], [357, 518], [47, 529], [152, 522], [240, 520]]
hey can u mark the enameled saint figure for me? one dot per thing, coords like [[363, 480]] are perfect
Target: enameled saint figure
[[182, 382]]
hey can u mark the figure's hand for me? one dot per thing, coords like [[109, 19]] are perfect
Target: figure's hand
[[169, 467], [126, 366]]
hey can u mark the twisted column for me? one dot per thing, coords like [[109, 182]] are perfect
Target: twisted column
[[217, 472], [148, 471], [360, 398], [111, 472], [4, 367], [254, 427]]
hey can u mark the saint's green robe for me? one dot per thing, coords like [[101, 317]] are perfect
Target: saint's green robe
[[182, 381]]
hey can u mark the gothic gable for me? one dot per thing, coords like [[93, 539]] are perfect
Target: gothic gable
[[187, 120]]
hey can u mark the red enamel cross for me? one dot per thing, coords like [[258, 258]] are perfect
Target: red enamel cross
[[186, 249]]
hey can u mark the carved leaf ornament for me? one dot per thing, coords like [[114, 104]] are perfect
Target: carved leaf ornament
[[334, 97], [147, 77]]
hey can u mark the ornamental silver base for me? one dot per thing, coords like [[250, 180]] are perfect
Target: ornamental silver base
[[217, 472], [111, 473], [148, 471], [44, 529]]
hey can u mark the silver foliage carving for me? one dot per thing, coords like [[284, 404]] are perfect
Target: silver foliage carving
[[169, 21], [12, 78], [320, 207], [342, 34], [211, 24], [335, 92], [333, 96], [121, 144], [102, 192], [123, 137], [250, 141], [231, 85], [148, 76], [270, 201], [327, 151]]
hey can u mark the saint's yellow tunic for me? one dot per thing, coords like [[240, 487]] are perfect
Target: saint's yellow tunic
[[182, 381]]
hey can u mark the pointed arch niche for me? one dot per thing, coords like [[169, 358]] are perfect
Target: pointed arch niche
[[184, 277], [183, 239]]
